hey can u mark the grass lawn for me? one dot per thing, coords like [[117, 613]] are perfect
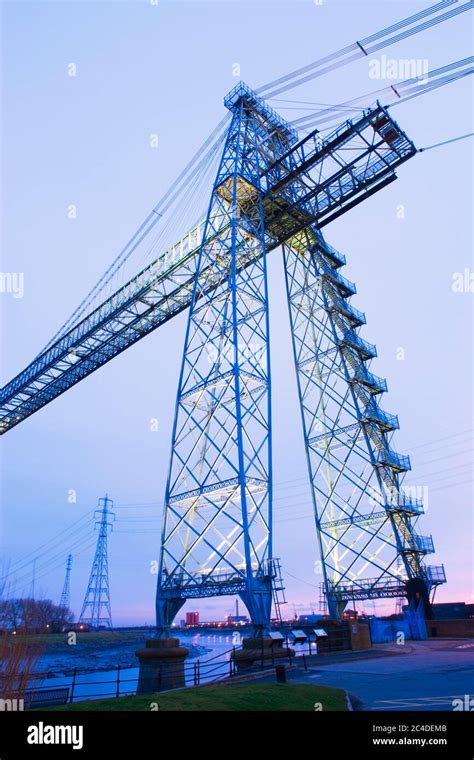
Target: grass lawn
[[254, 696]]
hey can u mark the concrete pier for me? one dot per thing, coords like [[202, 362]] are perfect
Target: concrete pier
[[161, 665]]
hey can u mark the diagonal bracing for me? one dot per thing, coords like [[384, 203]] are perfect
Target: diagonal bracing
[[217, 524], [365, 520]]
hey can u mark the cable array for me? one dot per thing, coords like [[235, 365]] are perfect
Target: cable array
[[360, 48]]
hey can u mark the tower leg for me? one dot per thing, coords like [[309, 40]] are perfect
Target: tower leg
[[217, 518], [418, 595], [336, 608], [259, 604], [365, 521], [166, 611]]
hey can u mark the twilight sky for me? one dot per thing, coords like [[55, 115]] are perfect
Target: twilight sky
[[164, 68]]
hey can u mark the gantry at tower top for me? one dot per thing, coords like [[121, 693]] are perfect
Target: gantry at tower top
[[95, 334]]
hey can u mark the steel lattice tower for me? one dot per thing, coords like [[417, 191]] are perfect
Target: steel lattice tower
[[96, 611], [217, 526], [365, 520], [65, 595], [217, 522]]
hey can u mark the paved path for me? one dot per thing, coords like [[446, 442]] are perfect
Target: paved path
[[428, 677]]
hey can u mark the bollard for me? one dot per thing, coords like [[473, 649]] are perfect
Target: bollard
[[280, 671]]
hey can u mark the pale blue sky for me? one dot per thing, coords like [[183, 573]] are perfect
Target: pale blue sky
[[165, 69]]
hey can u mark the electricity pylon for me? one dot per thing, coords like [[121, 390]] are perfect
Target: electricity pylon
[[96, 611], [216, 540], [65, 595]]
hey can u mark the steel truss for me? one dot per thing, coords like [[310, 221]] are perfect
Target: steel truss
[[217, 520], [270, 189], [66, 592], [313, 180], [217, 529], [365, 520]]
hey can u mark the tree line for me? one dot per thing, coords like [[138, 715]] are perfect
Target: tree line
[[33, 616]]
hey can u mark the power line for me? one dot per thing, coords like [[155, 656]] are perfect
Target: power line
[[56, 539], [441, 459], [53, 564], [190, 172]]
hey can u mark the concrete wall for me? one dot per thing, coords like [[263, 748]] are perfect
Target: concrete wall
[[451, 628]]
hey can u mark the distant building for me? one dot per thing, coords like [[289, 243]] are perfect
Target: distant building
[[192, 618], [309, 619], [453, 611], [237, 619], [450, 610]]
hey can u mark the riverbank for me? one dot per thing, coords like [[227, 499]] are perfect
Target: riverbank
[[96, 651]]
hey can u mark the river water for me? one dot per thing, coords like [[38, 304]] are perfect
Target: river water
[[215, 663], [110, 683]]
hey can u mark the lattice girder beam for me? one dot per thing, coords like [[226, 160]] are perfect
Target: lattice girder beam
[[306, 182]]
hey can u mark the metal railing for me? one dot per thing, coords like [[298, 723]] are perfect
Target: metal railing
[[373, 413], [390, 458], [424, 544], [347, 287], [362, 375], [79, 687], [405, 503], [345, 308], [365, 349], [336, 257], [436, 574]]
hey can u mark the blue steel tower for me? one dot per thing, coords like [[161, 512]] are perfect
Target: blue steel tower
[[218, 504], [272, 189], [96, 612], [365, 520]]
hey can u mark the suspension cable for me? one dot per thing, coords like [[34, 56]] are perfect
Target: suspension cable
[[364, 47], [446, 142]]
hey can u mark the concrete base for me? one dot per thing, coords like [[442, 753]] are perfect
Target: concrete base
[[161, 666], [256, 653], [360, 636]]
